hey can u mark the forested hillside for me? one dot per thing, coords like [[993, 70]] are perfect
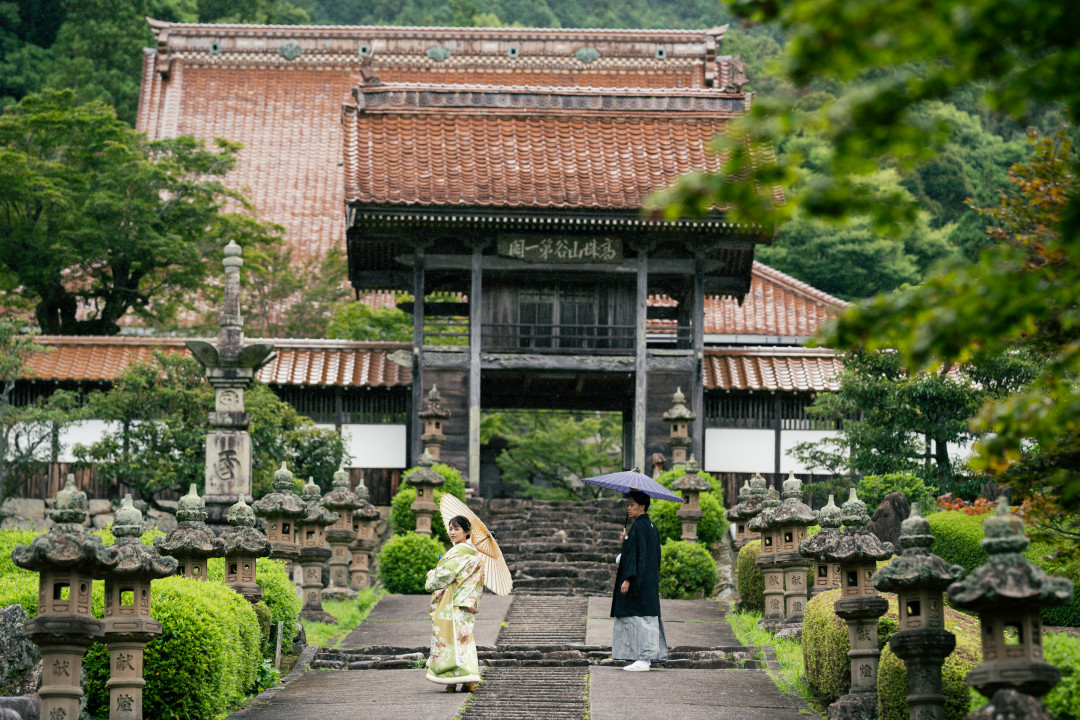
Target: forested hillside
[[95, 47]]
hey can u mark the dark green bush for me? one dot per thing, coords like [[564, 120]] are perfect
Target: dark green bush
[[405, 560], [748, 578], [687, 570], [711, 527], [403, 519], [872, 489], [1063, 651], [262, 614], [957, 537], [1054, 558], [892, 673]]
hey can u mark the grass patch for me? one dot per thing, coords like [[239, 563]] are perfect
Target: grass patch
[[349, 614], [791, 678]]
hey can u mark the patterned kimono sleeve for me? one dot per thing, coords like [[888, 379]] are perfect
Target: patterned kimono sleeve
[[443, 574]]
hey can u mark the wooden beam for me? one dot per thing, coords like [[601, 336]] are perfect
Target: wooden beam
[[568, 363], [697, 391], [495, 263], [418, 358], [641, 369], [777, 429], [381, 279], [475, 321]]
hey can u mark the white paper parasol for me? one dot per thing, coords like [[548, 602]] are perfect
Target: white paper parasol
[[496, 574]]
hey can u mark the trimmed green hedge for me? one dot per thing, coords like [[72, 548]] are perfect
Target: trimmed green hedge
[[1063, 651], [687, 570], [1046, 555], [279, 593], [892, 673], [405, 560], [749, 580], [403, 519], [872, 489]]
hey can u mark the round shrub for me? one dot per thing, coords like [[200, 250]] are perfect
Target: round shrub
[[711, 527], [872, 489], [687, 570], [405, 560], [957, 537], [892, 673], [1063, 651], [749, 580], [403, 519]]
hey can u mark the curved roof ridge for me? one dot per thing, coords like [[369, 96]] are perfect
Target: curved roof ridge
[[772, 274]]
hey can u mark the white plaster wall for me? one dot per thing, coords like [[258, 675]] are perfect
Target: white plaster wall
[[84, 432], [375, 446], [750, 451]]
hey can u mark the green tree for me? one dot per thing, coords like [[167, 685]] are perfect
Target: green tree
[[96, 222], [29, 434], [360, 321], [160, 415]]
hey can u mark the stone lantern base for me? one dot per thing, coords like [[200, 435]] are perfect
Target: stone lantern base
[[861, 614], [1011, 705]]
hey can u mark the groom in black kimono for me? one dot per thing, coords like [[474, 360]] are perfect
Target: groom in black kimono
[[639, 633]]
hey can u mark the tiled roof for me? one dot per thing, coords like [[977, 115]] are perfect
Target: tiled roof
[[777, 305], [238, 82], [771, 368], [299, 362], [527, 147]]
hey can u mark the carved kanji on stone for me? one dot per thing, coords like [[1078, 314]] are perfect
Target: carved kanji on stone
[[125, 703]]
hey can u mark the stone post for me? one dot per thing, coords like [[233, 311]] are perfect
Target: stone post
[[679, 418], [364, 520], [192, 542], [244, 545], [790, 521], [918, 577], [826, 574], [751, 497], [425, 480], [1009, 592], [67, 559], [314, 551], [433, 416], [282, 510], [772, 571], [340, 535], [690, 486], [128, 624], [858, 551]]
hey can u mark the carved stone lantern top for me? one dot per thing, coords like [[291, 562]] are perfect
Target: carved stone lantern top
[[243, 538], [916, 567], [853, 512], [762, 520], [793, 511], [136, 559], [316, 513], [191, 507], [855, 544], [361, 490], [424, 475], [192, 538], [758, 485], [341, 497], [1007, 579], [750, 504], [67, 544], [679, 412], [829, 517], [431, 409], [283, 501], [744, 492], [691, 480]]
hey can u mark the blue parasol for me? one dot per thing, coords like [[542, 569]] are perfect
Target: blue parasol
[[627, 480]]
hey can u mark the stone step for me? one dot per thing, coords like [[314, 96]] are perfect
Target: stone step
[[516, 693]]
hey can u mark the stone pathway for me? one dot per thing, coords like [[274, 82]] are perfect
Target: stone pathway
[[551, 660]]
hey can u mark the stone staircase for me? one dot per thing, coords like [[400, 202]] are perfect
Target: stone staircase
[[557, 548]]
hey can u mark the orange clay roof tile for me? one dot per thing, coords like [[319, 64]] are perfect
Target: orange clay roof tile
[[771, 368]]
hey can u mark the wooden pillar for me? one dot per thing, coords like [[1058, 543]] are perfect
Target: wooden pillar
[[475, 327], [777, 422], [415, 423], [641, 367], [697, 389]]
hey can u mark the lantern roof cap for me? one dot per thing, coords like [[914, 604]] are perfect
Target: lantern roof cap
[[853, 545], [282, 502], [830, 515], [191, 507], [70, 504], [691, 480], [916, 568], [853, 512], [423, 474], [679, 411], [127, 520], [67, 544], [340, 496], [136, 559]]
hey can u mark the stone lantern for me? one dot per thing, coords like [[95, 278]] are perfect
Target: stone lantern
[[67, 559], [690, 486], [244, 545], [826, 574], [281, 509], [341, 534], [858, 551], [772, 571], [790, 521], [751, 497], [918, 577], [192, 542], [433, 415], [1009, 592], [314, 552], [679, 418], [128, 625], [425, 480], [365, 518]]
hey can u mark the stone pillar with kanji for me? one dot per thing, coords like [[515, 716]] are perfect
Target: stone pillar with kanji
[[230, 367], [340, 535], [919, 578], [192, 542], [433, 415], [314, 551], [690, 486], [128, 602], [282, 510], [365, 518], [771, 569], [826, 574], [679, 418], [67, 559], [790, 522], [751, 497], [244, 545], [857, 550], [425, 480], [1009, 592]]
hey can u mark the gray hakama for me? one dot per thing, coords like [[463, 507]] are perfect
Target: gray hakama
[[639, 637]]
